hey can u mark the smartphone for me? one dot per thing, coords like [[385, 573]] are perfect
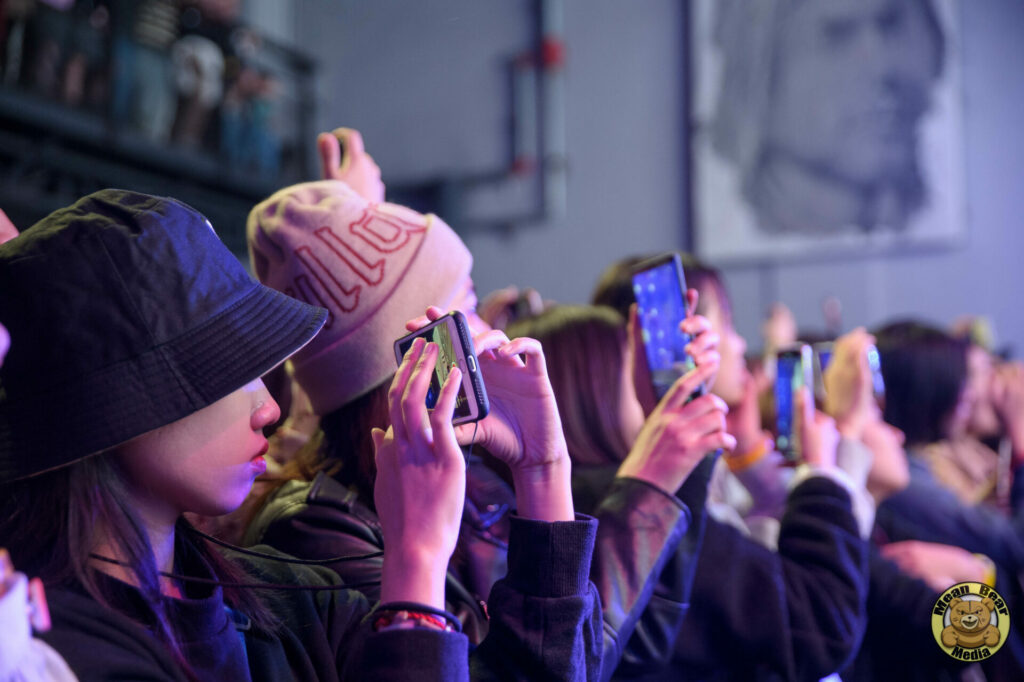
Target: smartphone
[[659, 288], [792, 371], [875, 363], [455, 346], [823, 355]]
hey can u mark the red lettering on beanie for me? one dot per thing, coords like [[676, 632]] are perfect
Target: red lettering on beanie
[[384, 234], [349, 297], [371, 273], [371, 227]]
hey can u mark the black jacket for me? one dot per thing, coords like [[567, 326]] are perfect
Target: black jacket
[[899, 644], [321, 635], [794, 614], [640, 530]]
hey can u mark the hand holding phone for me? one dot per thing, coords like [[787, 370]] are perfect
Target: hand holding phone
[[792, 373], [818, 437], [851, 380], [678, 434], [420, 487], [451, 334], [523, 428]]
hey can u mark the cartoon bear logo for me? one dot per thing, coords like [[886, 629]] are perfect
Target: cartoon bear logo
[[970, 624]]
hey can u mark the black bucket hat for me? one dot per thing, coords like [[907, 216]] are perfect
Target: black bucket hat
[[126, 313]]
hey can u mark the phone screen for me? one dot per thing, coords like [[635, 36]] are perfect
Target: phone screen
[[793, 371], [445, 336], [661, 306], [875, 363], [788, 378], [824, 357]]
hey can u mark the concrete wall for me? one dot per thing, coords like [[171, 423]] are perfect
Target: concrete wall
[[425, 83]]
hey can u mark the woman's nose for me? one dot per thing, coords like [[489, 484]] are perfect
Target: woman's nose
[[267, 411]]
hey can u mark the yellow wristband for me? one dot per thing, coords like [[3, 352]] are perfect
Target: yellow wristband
[[745, 460], [990, 570]]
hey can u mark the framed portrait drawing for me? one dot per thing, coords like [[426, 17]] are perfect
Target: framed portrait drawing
[[824, 127]]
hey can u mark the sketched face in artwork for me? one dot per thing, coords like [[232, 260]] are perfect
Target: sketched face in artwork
[[851, 83]]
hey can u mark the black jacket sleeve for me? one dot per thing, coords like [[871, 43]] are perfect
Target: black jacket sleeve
[[652, 643], [640, 530], [323, 521], [798, 613], [899, 643], [545, 614]]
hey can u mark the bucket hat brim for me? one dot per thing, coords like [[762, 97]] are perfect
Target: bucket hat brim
[[117, 403]]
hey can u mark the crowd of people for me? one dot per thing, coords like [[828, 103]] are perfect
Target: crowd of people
[[209, 477], [186, 73]]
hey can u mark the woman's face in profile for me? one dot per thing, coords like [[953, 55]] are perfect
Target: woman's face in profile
[[983, 420], [204, 463], [733, 375]]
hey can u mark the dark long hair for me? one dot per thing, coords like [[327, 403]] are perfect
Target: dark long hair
[[342, 448], [583, 347], [347, 448], [51, 523], [925, 370]]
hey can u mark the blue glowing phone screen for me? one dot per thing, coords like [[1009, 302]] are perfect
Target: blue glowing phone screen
[[661, 306]]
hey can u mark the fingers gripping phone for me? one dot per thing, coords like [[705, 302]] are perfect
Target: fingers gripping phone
[[659, 288], [792, 372], [823, 355], [455, 348]]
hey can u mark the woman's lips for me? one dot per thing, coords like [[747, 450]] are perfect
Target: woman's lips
[[259, 465], [259, 462]]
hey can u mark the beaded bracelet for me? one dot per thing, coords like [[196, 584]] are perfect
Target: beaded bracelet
[[407, 620], [409, 615]]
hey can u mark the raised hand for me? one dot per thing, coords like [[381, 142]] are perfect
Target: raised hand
[[941, 566], [677, 434], [849, 396], [421, 482], [355, 168], [779, 328], [819, 437], [523, 428], [890, 471]]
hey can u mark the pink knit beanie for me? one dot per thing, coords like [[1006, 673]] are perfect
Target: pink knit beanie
[[373, 266]]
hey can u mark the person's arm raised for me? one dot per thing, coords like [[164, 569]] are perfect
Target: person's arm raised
[[343, 157], [523, 429], [421, 482]]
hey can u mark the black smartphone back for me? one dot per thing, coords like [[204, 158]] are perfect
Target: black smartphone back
[[659, 288], [455, 345], [792, 372]]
